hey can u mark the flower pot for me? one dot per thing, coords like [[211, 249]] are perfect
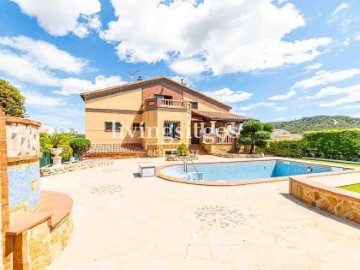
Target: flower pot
[[56, 151], [72, 159]]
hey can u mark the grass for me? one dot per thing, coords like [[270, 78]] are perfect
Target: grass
[[353, 188], [338, 164]]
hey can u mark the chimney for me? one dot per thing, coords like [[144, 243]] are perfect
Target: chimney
[[182, 81], [139, 79]]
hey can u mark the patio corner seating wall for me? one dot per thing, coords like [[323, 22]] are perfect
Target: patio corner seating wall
[[36, 225], [334, 200]]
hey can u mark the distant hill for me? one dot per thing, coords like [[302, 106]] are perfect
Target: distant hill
[[320, 122]]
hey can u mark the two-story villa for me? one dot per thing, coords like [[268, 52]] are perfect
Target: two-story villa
[[157, 113]]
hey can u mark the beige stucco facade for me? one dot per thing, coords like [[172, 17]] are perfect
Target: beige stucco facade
[[151, 105]]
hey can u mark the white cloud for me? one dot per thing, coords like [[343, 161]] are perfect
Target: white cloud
[[229, 96], [35, 62], [324, 77], [44, 54], [339, 8], [350, 107], [71, 86], [257, 105], [231, 36], [59, 17], [288, 95], [280, 109], [36, 99], [352, 97], [24, 70], [188, 67], [312, 67], [329, 91]]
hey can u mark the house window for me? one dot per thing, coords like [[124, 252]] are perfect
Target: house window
[[162, 97], [110, 126], [138, 126], [171, 129], [194, 105]]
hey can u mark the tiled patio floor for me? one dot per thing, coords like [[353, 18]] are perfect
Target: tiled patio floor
[[123, 222]]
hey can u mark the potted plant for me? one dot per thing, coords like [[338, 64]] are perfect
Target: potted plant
[[80, 146], [56, 140], [182, 150]]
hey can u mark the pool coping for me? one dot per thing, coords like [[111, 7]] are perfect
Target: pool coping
[[249, 181]]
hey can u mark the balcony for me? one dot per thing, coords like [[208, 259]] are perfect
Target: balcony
[[154, 104], [217, 139]]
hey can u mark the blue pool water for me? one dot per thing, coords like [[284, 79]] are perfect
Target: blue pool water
[[234, 171]]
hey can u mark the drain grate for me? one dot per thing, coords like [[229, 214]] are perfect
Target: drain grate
[[106, 190], [220, 216]]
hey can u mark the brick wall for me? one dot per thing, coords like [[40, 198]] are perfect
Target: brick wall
[[149, 92], [4, 217]]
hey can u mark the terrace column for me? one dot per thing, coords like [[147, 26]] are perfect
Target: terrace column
[[202, 128], [230, 127], [213, 127]]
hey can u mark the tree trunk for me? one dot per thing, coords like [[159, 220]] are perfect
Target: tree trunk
[[233, 150], [252, 148]]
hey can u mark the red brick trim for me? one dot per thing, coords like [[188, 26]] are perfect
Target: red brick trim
[[18, 160], [24, 121], [113, 111]]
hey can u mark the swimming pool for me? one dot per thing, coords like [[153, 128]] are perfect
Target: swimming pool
[[237, 171]]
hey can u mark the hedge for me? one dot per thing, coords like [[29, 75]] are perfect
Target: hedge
[[333, 144], [288, 148], [343, 144]]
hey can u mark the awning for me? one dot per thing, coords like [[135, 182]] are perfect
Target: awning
[[220, 116]]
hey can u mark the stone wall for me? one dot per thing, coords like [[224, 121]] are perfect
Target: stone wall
[[35, 234], [37, 247], [333, 200], [23, 152], [214, 149], [47, 171]]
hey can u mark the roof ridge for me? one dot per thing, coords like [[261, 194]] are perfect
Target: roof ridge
[[89, 93]]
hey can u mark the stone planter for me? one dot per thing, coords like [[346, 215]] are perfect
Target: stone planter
[[56, 158]]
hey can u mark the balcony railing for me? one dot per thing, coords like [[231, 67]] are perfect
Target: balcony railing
[[155, 103], [217, 139]]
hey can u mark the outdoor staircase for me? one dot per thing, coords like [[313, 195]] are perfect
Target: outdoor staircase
[[115, 150]]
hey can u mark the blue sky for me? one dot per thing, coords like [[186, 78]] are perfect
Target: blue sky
[[271, 60]]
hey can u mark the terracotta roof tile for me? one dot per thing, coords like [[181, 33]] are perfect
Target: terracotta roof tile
[[220, 116], [123, 87]]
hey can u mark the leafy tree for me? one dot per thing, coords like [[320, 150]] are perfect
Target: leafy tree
[[255, 133], [11, 99], [269, 127], [80, 146]]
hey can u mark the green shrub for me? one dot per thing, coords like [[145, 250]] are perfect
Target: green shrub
[[329, 144], [67, 152], [333, 144], [286, 148], [80, 146], [182, 150]]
